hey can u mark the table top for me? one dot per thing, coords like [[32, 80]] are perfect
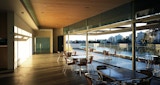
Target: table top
[[78, 57], [121, 74]]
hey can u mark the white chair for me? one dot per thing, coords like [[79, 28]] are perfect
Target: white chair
[[82, 62], [60, 55], [89, 63], [67, 65]]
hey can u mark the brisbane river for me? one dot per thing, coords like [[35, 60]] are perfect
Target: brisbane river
[[123, 52]]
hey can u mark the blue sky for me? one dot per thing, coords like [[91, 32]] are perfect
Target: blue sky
[[96, 37]]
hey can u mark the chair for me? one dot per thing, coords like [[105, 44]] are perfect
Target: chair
[[93, 79], [74, 53], [101, 77], [144, 81], [82, 62], [142, 59], [60, 54], [106, 54], [90, 62], [69, 54], [156, 62], [99, 68], [68, 63], [147, 80]]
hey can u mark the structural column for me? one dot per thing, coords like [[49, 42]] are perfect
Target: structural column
[[68, 40], [87, 43], [133, 38]]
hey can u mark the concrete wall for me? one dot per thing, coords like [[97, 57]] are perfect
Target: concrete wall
[[7, 27], [3, 35], [56, 33]]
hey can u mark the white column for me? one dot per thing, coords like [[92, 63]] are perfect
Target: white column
[[68, 41], [87, 45]]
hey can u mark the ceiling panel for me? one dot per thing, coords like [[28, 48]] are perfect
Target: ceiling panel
[[61, 13]]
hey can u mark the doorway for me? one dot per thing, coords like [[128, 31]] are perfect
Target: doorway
[[60, 43]]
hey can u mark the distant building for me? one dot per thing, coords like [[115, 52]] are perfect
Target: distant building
[[130, 37], [140, 36], [157, 37], [111, 39], [118, 37]]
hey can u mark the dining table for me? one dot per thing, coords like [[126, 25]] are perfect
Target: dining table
[[121, 74], [78, 57]]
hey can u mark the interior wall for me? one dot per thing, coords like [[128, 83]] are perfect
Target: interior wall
[[10, 39], [45, 33], [3, 35], [56, 33]]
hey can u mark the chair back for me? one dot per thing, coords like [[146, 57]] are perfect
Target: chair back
[[69, 54], [101, 77], [74, 53], [89, 80], [156, 60], [90, 59], [83, 62], [101, 67], [147, 72], [105, 52]]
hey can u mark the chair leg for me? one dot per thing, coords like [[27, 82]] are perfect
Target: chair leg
[[80, 70], [58, 58], [64, 69], [92, 67]]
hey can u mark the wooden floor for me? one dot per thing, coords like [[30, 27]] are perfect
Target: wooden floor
[[42, 69]]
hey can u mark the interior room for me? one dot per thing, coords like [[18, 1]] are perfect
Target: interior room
[[79, 42]]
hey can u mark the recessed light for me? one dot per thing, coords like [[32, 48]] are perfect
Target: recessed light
[[22, 12], [87, 7]]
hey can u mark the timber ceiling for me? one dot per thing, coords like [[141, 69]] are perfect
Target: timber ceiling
[[58, 13], [61, 13]]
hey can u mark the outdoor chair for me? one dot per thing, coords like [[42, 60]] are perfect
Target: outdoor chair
[[147, 80], [68, 63], [60, 55], [144, 81], [101, 77], [74, 53], [90, 60], [93, 79], [82, 62]]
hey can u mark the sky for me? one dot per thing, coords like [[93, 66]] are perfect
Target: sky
[[96, 37]]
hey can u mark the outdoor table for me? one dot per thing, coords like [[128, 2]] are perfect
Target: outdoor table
[[79, 57], [121, 74]]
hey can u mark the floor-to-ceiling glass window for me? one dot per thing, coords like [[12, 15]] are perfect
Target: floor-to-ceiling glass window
[[22, 46]]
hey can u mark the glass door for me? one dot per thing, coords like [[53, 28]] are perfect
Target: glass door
[[42, 45]]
